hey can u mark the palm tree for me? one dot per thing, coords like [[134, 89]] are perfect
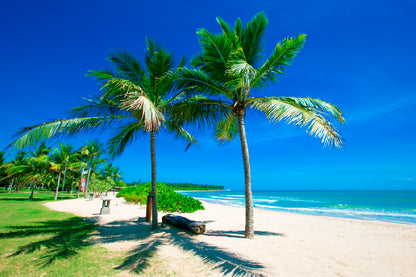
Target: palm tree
[[11, 168], [29, 168], [134, 101], [37, 166], [113, 174], [61, 160], [3, 168], [229, 70], [92, 150]]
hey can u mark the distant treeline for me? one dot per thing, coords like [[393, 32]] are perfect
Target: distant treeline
[[184, 186]]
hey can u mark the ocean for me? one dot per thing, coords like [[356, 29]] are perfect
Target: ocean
[[389, 206]]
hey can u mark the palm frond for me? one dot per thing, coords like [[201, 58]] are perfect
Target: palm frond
[[150, 115], [125, 136], [198, 111], [217, 51], [229, 33], [116, 88], [198, 81], [244, 73], [227, 129], [159, 62], [66, 127], [128, 65], [283, 54], [197, 60], [100, 106], [293, 111], [252, 42], [102, 76], [180, 133]]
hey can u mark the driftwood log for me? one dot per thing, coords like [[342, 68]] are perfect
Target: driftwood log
[[184, 223]]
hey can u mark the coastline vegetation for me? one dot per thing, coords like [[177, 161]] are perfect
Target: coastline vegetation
[[183, 186], [169, 200]]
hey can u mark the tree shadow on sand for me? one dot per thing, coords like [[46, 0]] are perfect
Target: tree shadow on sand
[[67, 238], [139, 257]]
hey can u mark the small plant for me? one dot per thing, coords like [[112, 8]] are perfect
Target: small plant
[[168, 200], [99, 184]]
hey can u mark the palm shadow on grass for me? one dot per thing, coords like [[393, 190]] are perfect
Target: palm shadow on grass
[[139, 258], [65, 238]]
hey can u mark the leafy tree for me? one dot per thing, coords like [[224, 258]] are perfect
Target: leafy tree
[[3, 166], [230, 72], [135, 100], [61, 160], [113, 175], [37, 166], [13, 171], [99, 184], [92, 150]]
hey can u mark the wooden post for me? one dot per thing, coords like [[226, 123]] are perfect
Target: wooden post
[[149, 208]]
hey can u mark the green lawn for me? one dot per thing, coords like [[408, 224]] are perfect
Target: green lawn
[[35, 241]]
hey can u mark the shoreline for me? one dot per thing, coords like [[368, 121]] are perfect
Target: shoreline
[[219, 202], [396, 207], [285, 244]]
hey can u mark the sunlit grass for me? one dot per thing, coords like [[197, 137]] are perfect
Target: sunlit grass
[[36, 241]]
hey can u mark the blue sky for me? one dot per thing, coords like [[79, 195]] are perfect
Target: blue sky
[[359, 56]]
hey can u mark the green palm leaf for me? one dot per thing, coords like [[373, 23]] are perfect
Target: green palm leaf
[[294, 111], [128, 65], [30, 135], [125, 136], [283, 54], [227, 129]]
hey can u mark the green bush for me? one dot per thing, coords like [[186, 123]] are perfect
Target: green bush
[[168, 200]]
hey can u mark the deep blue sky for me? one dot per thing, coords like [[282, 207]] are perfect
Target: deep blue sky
[[359, 56]]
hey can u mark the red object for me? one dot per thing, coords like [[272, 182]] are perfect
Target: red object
[[83, 184]]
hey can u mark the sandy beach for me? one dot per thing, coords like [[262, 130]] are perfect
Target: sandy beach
[[285, 244]]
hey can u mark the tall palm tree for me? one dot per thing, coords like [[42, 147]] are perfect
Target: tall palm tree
[[92, 150], [135, 100], [230, 71]]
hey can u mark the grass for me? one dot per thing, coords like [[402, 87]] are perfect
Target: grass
[[36, 241]]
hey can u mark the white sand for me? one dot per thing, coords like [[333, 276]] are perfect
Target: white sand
[[285, 244]]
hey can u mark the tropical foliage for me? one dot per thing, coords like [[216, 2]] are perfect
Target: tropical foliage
[[182, 186], [169, 200], [188, 186], [230, 72], [99, 184], [51, 168]]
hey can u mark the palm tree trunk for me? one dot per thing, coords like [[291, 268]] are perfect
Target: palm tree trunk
[[32, 191], [11, 185], [72, 184], [154, 189], [57, 187], [63, 183], [249, 230], [88, 180]]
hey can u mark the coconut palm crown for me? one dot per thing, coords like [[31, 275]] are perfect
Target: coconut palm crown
[[229, 74], [134, 100]]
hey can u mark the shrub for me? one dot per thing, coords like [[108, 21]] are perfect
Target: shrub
[[168, 200]]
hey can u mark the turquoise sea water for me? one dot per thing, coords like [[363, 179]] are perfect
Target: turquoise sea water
[[391, 206]]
